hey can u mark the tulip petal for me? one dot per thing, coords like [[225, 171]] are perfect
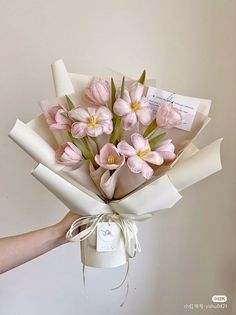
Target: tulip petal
[[60, 118], [136, 92], [144, 102], [125, 97], [78, 129], [135, 164], [92, 111], [103, 113], [68, 154], [94, 131], [140, 143], [106, 150], [58, 127], [89, 95], [126, 149], [167, 116], [129, 120], [107, 126], [103, 90], [154, 158], [166, 149], [168, 156], [147, 171], [79, 114], [121, 107], [145, 116]]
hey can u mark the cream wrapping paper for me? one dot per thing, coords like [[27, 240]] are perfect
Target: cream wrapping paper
[[199, 166], [92, 258], [62, 82], [79, 193], [73, 197], [30, 142]]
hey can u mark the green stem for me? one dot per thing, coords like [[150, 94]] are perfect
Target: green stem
[[88, 145], [85, 151], [154, 141], [114, 136], [96, 143], [150, 128]]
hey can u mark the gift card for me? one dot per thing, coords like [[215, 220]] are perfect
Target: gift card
[[108, 236]]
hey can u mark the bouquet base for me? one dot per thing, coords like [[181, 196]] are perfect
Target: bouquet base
[[92, 258]]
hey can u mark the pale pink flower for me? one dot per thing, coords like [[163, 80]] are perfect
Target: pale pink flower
[[167, 116], [68, 154], [133, 107], [109, 157], [91, 121], [166, 150], [98, 93], [55, 119], [139, 155]]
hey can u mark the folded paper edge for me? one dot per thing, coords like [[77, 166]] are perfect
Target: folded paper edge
[[62, 82], [27, 139], [126, 204], [198, 159], [81, 202]]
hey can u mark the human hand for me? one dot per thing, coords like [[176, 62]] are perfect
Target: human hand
[[63, 226]]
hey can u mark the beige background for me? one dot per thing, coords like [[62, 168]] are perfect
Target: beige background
[[189, 251]]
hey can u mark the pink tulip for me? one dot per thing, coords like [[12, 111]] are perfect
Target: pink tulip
[[139, 155], [109, 157], [68, 154], [133, 107], [166, 150], [55, 119], [98, 93], [91, 121], [167, 116]]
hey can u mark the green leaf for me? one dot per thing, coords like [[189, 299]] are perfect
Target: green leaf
[[122, 90], [85, 151], [143, 77], [113, 93], [115, 133], [150, 128], [117, 119], [153, 142], [64, 114], [70, 105]]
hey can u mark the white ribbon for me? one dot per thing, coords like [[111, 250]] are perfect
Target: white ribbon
[[129, 233], [127, 226]]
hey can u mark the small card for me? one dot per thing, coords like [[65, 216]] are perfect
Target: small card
[[108, 236], [186, 105]]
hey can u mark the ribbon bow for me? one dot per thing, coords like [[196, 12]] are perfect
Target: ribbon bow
[[128, 228]]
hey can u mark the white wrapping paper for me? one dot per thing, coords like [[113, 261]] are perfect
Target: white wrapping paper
[[79, 193], [62, 82]]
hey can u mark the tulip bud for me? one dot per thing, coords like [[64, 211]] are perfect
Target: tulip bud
[[98, 93], [167, 116], [68, 154]]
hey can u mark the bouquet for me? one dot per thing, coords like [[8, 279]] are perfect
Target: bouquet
[[116, 150]]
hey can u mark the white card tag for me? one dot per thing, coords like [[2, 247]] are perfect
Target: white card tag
[[108, 237], [186, 105]]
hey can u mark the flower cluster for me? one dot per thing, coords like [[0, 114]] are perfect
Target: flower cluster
[[110, 112]]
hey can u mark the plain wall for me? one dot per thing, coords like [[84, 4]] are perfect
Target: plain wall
[[188, 252]]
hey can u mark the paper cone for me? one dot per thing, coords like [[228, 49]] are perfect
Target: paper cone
[[62, 82]]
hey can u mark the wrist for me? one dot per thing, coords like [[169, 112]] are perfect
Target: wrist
[[59, 234]]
